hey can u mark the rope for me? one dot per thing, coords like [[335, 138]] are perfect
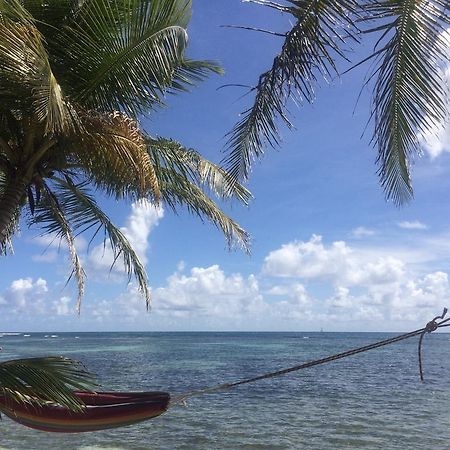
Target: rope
[[429, 328]]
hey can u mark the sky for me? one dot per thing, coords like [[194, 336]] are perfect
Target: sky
[[328, 252]]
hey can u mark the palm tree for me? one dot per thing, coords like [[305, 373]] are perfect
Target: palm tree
[[409, 93], [75, 78]]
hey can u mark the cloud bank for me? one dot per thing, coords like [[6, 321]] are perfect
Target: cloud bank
[[302, 285]]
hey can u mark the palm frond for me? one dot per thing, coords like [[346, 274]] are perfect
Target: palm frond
[[410, 95], [309, 50], [27, 81], [50, 15], [123, 55], [190, 72], [6, 244], [112, 151], [41, 380], [189, 163], [177, 190], [50, 214], [83, 213]]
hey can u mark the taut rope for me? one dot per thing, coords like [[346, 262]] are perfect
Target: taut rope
[[429, 328]]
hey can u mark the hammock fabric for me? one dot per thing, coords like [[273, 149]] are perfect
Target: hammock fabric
[[102, 410]]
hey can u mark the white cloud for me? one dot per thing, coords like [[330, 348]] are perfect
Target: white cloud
[[415, 225], [62, 306], [213, 299], [303, 285], [208, 291], [361, 232], [144, 217], [410, 299], [337, 263], [437, 140], [24, 294]]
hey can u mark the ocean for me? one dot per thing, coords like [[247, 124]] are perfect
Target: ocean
[[373, 400]]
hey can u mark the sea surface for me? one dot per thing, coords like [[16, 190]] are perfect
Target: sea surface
[[371, 401]]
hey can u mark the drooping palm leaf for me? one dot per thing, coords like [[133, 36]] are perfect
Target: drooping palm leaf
[[309, 50], [40, 380], [50, 214], [177, 190], [194, 167], [410, 96], [82, 213], [189, 72]]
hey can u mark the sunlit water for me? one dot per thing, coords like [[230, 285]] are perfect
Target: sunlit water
[[370, 401]]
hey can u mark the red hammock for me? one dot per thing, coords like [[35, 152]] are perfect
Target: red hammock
[[102, 410]]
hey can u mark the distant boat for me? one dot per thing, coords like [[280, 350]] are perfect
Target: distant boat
[[26, 335], [54, 336]]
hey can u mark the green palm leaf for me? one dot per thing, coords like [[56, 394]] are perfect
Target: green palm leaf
[[124, 54], [6, 245], [42, 380], [27, 81], [410, 96], [81, 211], [309, 50], [194, 167], [178, 175], [51, 215], [189, 72]]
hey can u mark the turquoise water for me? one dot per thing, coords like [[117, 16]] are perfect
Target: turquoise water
[[370, 401]]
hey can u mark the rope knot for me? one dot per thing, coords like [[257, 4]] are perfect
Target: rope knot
[[431, 326]]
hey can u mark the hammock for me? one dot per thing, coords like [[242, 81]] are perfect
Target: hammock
[[103, 410]]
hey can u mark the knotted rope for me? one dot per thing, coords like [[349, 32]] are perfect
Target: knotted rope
[[429, 328]]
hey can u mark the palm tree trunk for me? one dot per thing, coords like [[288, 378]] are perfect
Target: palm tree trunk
[[9, 203]]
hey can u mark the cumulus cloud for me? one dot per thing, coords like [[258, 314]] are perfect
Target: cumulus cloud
[[410, 299], [414, 225], [302, 285], [361, 232], [208, 291], [24, 294], [337, 263], [144, 217], [62, 306], [210, 297]]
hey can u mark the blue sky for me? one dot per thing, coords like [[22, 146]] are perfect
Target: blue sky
[[327, 250]]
